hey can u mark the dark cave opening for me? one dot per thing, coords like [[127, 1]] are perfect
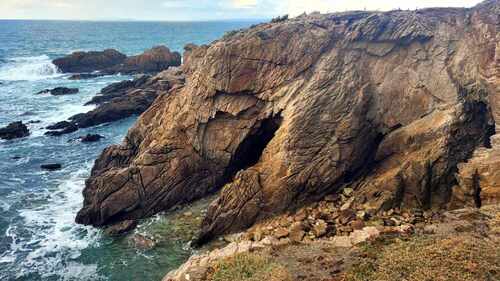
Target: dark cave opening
[[250, 149]]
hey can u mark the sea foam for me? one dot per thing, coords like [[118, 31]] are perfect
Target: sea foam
[[28, 69]]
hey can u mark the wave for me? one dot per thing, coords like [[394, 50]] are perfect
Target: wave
[[28, 68], [47, 242]]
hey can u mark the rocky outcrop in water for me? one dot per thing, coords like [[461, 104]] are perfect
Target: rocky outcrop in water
[[388, 104], [111, 61], [121, 100], [60, 91], [14, 130], [89, 61]]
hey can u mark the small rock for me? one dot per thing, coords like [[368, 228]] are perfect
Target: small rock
[[346, 216], [142, 242], [91, 138], [14, 130], [83, 76], [297, 232], [347, 204], [59, 91], [320, 228], [188, 214], [389, 222], [348, 192], [357, 224], [120, 228], [342, 241], [281, 233], [51, 167]]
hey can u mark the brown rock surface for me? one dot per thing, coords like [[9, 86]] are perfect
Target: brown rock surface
[[89, 61], [284, 113], [154, 60]]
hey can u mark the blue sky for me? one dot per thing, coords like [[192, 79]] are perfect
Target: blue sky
[[175, 10]]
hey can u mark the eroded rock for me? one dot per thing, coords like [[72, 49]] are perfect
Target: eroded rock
[[387, 104]]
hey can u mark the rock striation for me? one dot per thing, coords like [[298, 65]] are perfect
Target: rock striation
[[111, 61], [387, 104]]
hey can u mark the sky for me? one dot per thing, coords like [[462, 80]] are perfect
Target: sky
[[198, 10]]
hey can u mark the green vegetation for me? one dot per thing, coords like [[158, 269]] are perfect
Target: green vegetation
[[248, 267], [452, 258]]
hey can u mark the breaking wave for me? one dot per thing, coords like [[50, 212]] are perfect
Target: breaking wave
[[28, 68]]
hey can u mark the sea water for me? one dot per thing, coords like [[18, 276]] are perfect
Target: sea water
[[38, 237]]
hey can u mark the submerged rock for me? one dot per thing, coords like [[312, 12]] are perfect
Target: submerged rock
[[91, 138], [51, 167], [14, 130], [60, 91], [83, 76], [120, 228], [285, 113]]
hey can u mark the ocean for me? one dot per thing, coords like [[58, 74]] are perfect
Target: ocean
[[38, 237]]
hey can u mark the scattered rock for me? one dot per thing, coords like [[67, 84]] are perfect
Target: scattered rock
[[83, 76], [60, 91], [320, 228], [34, 121], [14, 130], [91, 138], [120, 228], [70, 128], [281, 233], [142, 242], [51, 167]]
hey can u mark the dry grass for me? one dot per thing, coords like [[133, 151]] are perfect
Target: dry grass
[[248, 267], [455, 258]]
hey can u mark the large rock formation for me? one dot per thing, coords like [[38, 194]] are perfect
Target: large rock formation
[[111, 61], [283, 113]]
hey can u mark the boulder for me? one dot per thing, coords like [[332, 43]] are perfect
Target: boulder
[[14, 130], [89, 61], [63, 128], [91, 138], [282, 114], [60, 91]]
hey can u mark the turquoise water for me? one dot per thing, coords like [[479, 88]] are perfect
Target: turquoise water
[[38, 237]]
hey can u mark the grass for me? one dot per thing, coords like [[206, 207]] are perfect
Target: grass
[[248, 267], [455, 258]]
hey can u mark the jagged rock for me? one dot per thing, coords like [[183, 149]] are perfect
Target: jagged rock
[[142, 242], [61, 128], [121, 100], [89, 61], [51, 167], [111, 61], [14, 130], [120, 228], [91, 138], [154, 60], [284, 113], [60, 91]]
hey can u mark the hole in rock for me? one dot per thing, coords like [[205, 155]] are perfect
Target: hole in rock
[[250, 149]]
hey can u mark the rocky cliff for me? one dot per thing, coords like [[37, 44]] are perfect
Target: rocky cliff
[[390, 104]]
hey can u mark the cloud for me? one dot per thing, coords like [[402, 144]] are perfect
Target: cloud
[[30, 4], [244, 4]]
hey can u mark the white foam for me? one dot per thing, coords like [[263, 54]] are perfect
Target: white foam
[[29, 68], [55, 240]]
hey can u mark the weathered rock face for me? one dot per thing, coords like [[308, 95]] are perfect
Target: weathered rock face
[[14, 130], [111, 61], [89, 61], [284, 113]]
